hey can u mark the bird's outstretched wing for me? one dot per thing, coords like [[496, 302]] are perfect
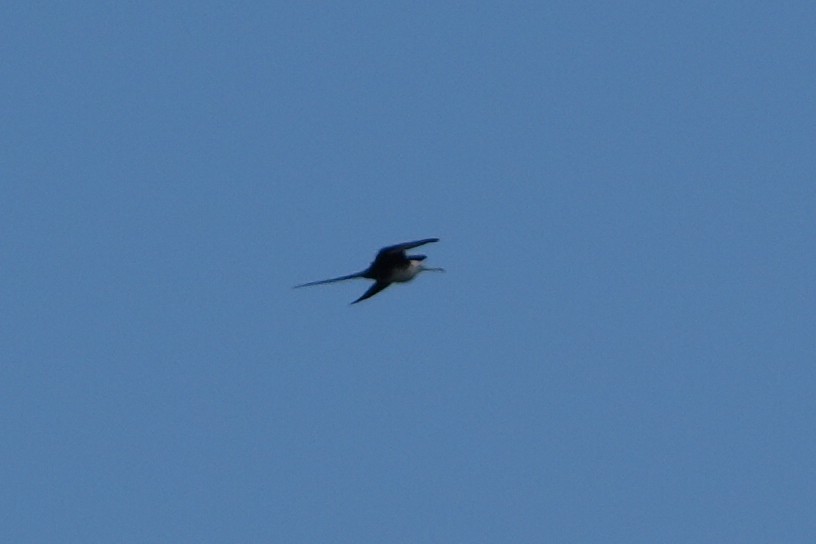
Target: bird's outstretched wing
[[393, 256], [332, 280], [406, 245], [373, 290]]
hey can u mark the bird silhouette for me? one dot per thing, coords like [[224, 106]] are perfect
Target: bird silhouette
[[391, 265]]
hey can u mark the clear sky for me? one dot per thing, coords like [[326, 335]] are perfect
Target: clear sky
[[621, 351]]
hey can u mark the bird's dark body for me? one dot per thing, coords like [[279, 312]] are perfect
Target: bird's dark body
[[390, 265], [383, 266]]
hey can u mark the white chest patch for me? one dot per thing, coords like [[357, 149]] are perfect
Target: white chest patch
[[406, 274]]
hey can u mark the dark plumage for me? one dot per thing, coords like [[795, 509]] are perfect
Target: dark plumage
[[389, 266]]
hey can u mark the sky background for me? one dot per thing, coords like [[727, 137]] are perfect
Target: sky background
[[621, 351]]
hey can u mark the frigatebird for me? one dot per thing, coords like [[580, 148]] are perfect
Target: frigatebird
[[391, 265]]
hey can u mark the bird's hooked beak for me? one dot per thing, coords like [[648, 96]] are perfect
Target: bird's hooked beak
[[432, 269]]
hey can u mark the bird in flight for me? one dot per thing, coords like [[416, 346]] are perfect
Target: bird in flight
[[391, 265]]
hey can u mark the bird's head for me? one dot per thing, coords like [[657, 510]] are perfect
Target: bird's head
[[416, 260]]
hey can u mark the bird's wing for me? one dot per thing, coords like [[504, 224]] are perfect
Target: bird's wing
[[391, 256], [406, 245], [373, 290], [332, 280]]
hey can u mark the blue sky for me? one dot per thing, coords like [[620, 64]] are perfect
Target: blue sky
[[622, 349]]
